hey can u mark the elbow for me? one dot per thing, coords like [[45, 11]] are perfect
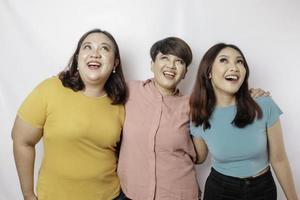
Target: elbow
[[278, 159], [21, 142], [13, 135]]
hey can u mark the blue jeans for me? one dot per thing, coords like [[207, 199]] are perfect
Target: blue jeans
[[222, 187]]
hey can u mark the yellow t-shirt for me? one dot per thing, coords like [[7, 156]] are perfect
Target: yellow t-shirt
[[80, 138]]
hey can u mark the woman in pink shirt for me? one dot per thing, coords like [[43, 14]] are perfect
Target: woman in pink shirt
[[157, 154]]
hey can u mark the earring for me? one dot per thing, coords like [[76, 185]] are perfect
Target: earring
[[114, 71]]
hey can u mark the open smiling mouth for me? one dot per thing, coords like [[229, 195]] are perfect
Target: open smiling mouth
[[94, 65], [232, 78], [169, 75]]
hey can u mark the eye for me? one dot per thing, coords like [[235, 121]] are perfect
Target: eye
[[223, 60], [181, 62], [106, 48], [240, 61], [164, 57], [87, 46]]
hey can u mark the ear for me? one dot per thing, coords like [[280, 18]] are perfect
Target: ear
[[152, 66], [117, 62], [186, 70]]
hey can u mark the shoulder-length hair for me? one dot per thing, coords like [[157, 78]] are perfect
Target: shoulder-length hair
[[115, 86], [203, 99]]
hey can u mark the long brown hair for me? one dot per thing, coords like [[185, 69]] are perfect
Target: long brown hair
[[203, 99], [115, 85]]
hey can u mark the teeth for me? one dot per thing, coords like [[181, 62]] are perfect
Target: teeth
[[94, 63], [169, 73], [232, 77]]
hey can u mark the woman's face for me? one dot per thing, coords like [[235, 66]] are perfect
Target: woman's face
[[228, 72], [96, 59], [168, 71]]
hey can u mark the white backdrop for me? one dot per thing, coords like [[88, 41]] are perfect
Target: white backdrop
[[37, 39]]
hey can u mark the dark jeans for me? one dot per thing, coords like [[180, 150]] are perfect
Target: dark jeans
[[222, 187], [121, 197]]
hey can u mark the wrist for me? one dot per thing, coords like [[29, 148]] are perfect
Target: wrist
[[30, 196]]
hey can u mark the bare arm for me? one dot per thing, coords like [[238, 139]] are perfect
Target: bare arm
[[279, 161], [25, 138], [201, 149]]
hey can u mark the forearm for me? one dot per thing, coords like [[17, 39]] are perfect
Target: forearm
[[285, 178], [201, 150], [24, 159]]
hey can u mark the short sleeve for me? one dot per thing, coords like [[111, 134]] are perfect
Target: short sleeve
[[271, 111], [196, 131], [34, 108]]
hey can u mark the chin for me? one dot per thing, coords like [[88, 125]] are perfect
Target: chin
[[170, 86], [234, 92], [229, 91]]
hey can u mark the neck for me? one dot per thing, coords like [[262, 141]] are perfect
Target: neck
[[165, 91], [94, 91], [224, 100]]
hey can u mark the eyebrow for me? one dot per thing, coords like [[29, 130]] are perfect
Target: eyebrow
[[104, 43], [223, 56], [86, 43], [228, 56], [177, 58], [180, 59]]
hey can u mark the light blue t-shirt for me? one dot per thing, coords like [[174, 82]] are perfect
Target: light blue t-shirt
[[238, 152]]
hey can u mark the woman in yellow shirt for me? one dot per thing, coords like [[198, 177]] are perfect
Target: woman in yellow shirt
[[80, 116]]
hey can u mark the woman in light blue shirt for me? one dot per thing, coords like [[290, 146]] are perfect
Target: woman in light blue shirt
[[243, 135]]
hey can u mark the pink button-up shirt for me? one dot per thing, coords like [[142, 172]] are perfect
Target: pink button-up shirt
[[157, 153]]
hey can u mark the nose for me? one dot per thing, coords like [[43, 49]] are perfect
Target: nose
[[233, 67], [171, 64], [96, 53]]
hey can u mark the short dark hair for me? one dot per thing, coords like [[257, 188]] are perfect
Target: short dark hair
[[115, 85], [174, 46], [203, 99]]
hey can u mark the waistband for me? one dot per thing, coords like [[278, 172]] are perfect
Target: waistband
[[266, 174]]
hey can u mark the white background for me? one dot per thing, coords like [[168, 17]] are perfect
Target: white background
[[37, 39]]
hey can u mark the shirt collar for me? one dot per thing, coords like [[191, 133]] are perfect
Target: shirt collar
[[151, 83]]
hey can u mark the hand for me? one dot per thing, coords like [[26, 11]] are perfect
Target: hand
[[199, 194], [257, 92], [32, 197]]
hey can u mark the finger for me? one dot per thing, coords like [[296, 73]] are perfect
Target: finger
[[267, 94], [252, 92], [260, 93], [257, 92]]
